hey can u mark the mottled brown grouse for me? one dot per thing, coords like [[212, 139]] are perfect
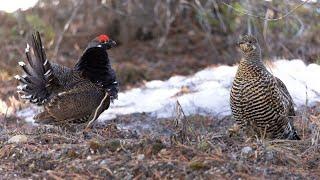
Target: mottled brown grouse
[[69, 95], [260, 102]]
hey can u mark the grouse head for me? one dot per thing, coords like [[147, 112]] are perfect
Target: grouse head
[[249, 45], [94, 63], [102, 41]]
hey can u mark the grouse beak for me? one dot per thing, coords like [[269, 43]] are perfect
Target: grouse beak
[[239, 43], [243, 46], [112, 43], [247, 47]]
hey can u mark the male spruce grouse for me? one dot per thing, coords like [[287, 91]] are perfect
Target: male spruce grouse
[[69, 95], [260, 102]]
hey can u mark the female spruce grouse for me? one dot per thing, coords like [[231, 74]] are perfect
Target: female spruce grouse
[[260, 102], [69, 95]]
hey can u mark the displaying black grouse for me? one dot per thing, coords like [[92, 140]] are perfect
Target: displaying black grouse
[[69, 95]]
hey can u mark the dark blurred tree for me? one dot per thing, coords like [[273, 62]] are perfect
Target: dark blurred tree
[[168, 26]]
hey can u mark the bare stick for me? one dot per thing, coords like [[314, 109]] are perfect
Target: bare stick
[[248, 13], [97, 110], [5, 117], [216, 7], [66, 27]]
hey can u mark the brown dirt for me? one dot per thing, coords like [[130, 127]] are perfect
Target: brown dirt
[[199, 148], [161, 150]]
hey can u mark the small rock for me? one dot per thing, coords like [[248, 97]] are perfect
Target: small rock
[[18, 139], [233, 156], [140, 157], [246, 150], [89, 157], [103, 162], [269, 155]]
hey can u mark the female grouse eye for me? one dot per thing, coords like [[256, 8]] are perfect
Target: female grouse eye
[[250, 41]]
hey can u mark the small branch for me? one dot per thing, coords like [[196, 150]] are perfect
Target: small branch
[[216, 7], [6, 117], [179, 109], [96, 112], [265, 28], [116, 10], [169, 19], [249, 23], [301, 29], [66, 27], [248, 13]]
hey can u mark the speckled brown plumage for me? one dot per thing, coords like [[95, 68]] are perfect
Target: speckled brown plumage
[[260, 102], [68, 95]]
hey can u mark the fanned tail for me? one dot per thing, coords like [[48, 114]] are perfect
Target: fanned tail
[[35, 83]]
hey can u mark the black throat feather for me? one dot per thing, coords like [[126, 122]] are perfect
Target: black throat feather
[[95, 65]]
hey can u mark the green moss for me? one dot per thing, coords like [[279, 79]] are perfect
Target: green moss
[[157, 146], [14, 32], [318, 60], [197, 165], [131, 73], [35, 21], [203, 145], [232, 20], [72, 154], [94, 145], [38, 24], [113, 145]]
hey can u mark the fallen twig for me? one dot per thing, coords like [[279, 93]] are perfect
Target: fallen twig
[[96, 112]]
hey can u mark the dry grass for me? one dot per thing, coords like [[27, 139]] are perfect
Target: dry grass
[[150, 151], [179, 37]]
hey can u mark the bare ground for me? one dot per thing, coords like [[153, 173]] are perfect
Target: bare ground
[[195, 147], [139, 146]]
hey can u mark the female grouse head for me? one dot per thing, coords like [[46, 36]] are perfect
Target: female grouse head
[[249, 46]]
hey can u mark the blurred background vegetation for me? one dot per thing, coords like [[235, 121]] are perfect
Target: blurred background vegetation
[[160, 38]]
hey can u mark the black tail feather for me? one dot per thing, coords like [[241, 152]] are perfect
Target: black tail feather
[[25, 68], [38, 73]]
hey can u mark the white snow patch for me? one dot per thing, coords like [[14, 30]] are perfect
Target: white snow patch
[[13, 5], [301, 80], [28, 113], [207, 91], [5, 109]]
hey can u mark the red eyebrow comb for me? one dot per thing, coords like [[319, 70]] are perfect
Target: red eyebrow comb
[[103, 38]]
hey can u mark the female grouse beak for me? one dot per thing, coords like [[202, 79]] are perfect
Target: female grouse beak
[[239, 43], [245, 46]]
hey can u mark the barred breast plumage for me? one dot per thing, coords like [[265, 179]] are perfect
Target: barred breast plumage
[[260, 102]]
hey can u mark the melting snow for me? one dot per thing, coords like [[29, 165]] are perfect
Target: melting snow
[[13, 5], [207, 91]]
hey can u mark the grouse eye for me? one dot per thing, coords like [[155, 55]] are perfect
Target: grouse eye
[[250, 41]]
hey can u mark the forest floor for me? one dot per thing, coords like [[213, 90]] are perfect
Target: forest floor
[[138, 146]]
